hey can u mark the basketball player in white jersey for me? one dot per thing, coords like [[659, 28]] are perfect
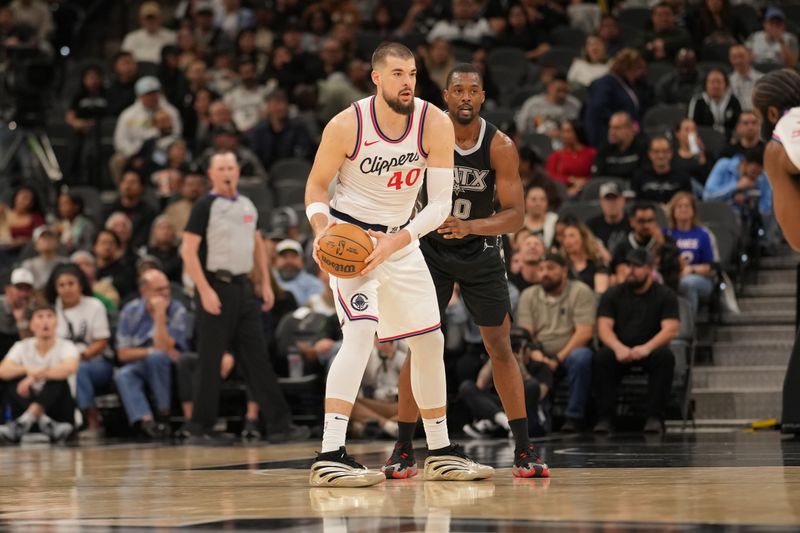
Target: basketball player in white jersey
[[776, 101], [378, 150]]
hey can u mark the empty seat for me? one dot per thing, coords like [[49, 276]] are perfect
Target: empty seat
[[713, 140], [664, 115], [559, 57], [292, 170]]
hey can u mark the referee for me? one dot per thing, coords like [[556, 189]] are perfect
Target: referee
[[220, 245]]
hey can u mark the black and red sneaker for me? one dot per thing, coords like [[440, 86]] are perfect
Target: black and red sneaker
[[528, 464], [401, 465]]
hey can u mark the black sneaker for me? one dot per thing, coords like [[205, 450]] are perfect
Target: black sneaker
[[182, 433], [528, 464], [337, 469], [151, 429], [570, 426], [401, 464], [452, 464], [250, 430]]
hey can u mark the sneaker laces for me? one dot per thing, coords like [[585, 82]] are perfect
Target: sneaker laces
[[342, 457], [529, 453]]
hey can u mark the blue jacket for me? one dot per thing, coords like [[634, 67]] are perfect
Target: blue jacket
[[721, 184]]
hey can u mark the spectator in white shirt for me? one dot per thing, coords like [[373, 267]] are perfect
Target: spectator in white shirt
[[246, 99], [235, 18], [744, 76], [146, 43], [592, 64], [543, 113], [465, 25], [135, 125], [774, 44], [40, 369]]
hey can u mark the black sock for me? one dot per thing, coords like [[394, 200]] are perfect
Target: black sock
[[519, 428], [405, 432]]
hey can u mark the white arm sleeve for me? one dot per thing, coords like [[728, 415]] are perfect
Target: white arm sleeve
[[440, 200]]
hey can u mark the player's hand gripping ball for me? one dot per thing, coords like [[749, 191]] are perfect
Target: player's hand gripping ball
[[343, 249]]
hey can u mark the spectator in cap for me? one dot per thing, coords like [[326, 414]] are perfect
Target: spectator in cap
[[559, 313], [145, 43], [290, 274], [636, 322], [226, 138], [15, 303], [774, 44], [611, 226], [136, 124], [278, 136], [47, 256]]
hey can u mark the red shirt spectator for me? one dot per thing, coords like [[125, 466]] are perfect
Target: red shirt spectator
[[572, 165]]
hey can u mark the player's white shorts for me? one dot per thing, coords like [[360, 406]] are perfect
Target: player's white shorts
[[399, 295]]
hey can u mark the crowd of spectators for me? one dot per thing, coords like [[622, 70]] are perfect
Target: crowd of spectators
[[262, 79]]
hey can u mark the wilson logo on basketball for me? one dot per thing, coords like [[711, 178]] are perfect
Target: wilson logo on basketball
[[337, 267]]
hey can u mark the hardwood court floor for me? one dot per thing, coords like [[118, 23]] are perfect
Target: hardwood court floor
[[681, 482]]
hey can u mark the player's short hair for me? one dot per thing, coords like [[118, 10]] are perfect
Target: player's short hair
[[386, 49], [219, 153], [754, 155], [779, 89], [463, 68]]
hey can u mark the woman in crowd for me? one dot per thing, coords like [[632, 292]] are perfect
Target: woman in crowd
[[103, 290], [539, 220], [21, 219], [75, 230], [690, 155], [584, 258], [592, 64], [716, 106], [82, 319], [572, 165], [694, 243]]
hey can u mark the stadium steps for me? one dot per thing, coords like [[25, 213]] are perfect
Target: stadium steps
[[743, 380]]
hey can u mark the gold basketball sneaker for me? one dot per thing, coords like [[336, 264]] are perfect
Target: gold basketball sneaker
[[337, 469], [452, 464]]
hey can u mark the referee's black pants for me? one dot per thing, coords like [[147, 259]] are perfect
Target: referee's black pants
[[237, 327]]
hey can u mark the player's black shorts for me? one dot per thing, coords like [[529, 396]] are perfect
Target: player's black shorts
[[478, 268]]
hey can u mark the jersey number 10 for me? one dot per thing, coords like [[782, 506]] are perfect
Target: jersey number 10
[[396, 180]]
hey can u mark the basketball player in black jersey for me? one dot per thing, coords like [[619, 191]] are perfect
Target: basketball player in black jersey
[[467, 249]]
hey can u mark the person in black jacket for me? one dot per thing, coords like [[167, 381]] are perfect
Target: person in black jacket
[[658, 182], [716, 106]]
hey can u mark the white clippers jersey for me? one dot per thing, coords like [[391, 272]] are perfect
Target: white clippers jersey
[[379, 182], [787, 132]]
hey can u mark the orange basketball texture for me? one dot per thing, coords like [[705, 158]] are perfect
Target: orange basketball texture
[[342, 250]]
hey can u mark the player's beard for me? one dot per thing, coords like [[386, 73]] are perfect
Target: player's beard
[[464, 120], [397, 106], [766, 130]]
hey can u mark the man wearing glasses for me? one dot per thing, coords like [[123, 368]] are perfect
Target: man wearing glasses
[[644, 235]]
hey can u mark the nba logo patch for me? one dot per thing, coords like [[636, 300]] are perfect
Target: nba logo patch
[[249, 217], [359, 302]]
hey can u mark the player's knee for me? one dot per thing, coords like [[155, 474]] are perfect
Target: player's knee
[[429, 345]]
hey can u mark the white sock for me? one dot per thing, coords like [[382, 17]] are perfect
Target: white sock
[[502, 420], [334, 432], [436, 432]]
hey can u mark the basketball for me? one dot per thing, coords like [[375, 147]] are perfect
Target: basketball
[[342, 250]]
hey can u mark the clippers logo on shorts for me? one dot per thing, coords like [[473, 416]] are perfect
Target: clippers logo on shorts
[[359, 302]]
